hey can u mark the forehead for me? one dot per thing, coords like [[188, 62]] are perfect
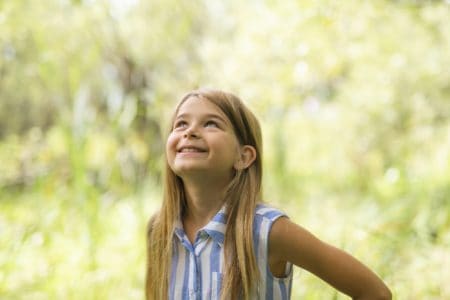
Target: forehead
[[198, 106]]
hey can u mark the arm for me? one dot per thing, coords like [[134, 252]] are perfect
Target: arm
[[290, 242]]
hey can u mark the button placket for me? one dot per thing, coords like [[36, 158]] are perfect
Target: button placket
[[200, 242]]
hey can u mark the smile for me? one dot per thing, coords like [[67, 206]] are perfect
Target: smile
[[191, 150]]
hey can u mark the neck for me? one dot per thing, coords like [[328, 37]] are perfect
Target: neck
[[204, 200]]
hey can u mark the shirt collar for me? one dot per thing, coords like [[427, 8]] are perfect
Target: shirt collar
[[215, 228]]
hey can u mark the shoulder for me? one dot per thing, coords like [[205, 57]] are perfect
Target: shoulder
[[264, 219], [268, 213]]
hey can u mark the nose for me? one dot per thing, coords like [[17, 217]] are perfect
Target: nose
[[191, 132]]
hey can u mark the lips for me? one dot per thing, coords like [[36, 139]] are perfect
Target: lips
[[190, 149]]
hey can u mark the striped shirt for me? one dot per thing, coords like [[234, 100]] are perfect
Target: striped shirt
[[196, 271]]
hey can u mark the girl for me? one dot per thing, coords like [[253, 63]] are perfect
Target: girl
[[213, 238]]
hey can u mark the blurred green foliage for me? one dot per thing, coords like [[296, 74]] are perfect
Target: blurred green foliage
[[353, 97]]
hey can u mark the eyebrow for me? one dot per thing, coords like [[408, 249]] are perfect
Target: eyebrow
[[206, 116]]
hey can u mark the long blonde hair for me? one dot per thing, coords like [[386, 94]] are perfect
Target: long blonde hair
[[241, 274]]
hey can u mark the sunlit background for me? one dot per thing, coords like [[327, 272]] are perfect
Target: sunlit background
[[353, 97]]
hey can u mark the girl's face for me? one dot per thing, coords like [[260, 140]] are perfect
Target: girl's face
[[202, 142]]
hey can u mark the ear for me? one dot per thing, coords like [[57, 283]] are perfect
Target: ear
[[247, 155]]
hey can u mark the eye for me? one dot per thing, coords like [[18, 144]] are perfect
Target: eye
[[180, 124], [211, 124]]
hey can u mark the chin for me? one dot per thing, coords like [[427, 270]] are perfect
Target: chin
[[189, 171]]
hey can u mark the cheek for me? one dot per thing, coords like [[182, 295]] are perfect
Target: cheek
[[171, 145]]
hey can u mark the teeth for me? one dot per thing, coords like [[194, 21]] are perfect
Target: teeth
[[190, 150]]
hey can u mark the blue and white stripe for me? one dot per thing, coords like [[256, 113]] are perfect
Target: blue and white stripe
[[197, 269]]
